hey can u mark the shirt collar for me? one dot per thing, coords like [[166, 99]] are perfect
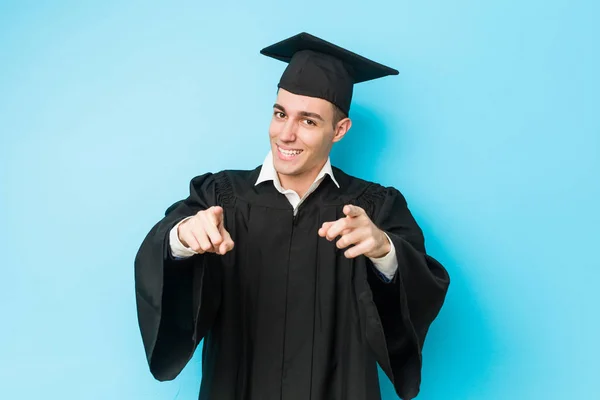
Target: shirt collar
[[268, 173]]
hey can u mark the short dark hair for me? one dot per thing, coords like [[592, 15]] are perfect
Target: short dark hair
[[338, 115]]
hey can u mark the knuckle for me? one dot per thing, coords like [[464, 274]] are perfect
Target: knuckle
[[196, 230], [196, 247], [205, 246], [189, 224]]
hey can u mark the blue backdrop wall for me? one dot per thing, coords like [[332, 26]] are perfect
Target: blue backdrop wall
[[491, 130]]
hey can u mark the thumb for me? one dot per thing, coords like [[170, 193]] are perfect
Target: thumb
[[227, 244], [222, 229]]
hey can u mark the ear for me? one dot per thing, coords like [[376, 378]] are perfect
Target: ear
[[341, 129]]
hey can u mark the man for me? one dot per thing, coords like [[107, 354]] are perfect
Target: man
[[299, 277]]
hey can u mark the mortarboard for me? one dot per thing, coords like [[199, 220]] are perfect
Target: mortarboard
[[317, 68]]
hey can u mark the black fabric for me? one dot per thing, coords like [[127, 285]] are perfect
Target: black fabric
[[285, 316], [321, 69]]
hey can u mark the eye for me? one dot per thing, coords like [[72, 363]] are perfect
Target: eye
[[279, 114], [310, 122]]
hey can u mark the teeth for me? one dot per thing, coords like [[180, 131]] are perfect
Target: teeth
[[290, 152]]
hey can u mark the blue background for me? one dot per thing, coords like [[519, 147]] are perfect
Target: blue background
[[491, 131]]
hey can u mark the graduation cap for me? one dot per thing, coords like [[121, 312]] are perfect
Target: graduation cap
[[317, 68]]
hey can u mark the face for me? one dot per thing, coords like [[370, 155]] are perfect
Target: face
[[302, 134]]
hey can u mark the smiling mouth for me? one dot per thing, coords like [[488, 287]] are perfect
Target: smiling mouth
[[288, 154]]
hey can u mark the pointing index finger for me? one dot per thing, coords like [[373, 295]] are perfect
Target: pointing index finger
[[337, 228], [216, 215], [324, 228], [352, 210]]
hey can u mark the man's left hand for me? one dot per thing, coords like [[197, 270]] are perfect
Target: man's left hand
[[357, 229]]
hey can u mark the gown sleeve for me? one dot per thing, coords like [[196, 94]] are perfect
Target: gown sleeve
[[407, 305], [177, 299]]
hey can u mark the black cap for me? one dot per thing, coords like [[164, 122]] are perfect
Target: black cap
[[321, 69]]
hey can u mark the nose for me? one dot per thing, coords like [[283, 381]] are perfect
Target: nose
[[288, 132]]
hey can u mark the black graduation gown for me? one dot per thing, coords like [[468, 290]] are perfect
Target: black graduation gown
[[284, 315]]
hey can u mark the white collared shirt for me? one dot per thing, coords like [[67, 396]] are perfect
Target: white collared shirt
[[387, 264], [268, 173]]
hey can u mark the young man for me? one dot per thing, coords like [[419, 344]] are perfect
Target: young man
[[299, 277]]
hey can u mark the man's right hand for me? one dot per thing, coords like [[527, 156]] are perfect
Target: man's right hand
[[205, 232]]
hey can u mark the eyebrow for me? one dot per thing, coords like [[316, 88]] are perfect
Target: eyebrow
[[302, 113]]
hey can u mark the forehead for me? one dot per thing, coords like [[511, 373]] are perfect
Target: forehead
[[295, 102]]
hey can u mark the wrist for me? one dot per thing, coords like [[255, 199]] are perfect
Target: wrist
[[384, 248], [179, 226]]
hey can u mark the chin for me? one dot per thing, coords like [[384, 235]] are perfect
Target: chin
[[285, 169]]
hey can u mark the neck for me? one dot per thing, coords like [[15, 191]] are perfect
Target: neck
[[300, 183]]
